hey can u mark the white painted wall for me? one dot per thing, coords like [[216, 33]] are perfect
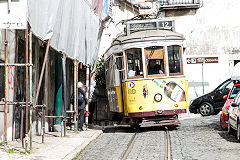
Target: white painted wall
[[212, 73], [115, 27]]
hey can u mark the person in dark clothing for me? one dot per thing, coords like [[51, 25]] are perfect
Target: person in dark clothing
[[154, 68], [81, 105]]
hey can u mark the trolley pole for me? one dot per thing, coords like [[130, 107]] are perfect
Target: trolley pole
[[6, 85], [87, 93]]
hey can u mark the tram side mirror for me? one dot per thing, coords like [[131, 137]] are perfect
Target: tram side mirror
[[119, 63]]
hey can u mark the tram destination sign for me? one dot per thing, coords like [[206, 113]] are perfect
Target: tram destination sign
[[200, 60], [134, 26]]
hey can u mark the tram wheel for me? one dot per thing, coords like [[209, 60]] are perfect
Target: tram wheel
[[206, 109], [135, 126]]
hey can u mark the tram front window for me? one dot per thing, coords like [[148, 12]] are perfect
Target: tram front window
[[155, 60], [134, 62], [174, 58]]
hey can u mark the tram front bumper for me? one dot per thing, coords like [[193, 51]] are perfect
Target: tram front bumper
[[157, 113]]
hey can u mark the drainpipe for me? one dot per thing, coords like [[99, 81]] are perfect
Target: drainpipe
[[58, 97]]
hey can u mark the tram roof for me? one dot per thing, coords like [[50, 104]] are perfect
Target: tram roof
[[142, 36], [148, 35]]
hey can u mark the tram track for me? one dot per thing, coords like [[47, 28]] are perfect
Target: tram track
[[168, 153], [130, 146], [167, 145]]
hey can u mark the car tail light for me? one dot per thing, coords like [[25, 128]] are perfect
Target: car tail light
[[225, 110]]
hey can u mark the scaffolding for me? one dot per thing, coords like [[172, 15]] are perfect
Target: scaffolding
[[31, 104]]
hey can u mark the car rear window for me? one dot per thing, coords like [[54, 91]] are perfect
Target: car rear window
[[234, 92]]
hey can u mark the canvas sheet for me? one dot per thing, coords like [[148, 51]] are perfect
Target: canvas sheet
[[72, 27]]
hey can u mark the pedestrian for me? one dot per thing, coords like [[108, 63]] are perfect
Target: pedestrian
[[81, 105]]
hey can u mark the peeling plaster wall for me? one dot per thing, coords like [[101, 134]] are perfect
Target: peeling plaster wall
[[213, 31], [11, 75]]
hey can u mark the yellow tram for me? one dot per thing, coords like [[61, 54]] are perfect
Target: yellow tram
[[144, 74]]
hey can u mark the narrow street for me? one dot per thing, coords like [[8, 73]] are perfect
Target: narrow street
[[198, 138], [71, 71]]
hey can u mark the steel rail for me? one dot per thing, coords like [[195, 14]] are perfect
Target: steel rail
[[168, 152], [129, 147]]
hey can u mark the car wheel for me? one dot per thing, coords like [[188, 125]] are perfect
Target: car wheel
[[206, 109], [238, 132], [223, 127], [230, 129]]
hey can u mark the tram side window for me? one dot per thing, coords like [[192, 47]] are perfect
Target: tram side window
[[155, 60], [109, 72], [134, 62], [174, 58]]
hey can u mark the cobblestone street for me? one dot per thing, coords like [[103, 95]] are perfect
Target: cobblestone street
[[202, 138], [198, 138]]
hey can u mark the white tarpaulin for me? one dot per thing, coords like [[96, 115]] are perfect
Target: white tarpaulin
[[236, 72], [13, 14], [72, 26]]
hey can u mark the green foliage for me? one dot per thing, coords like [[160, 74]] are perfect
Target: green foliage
[[100, 73], [27, 152], [11, 150], [2, 143]]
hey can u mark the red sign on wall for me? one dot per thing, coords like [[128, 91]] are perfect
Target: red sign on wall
[[200, 60]]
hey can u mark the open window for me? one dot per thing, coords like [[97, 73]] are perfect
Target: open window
[[175, 60], [134, 63], [155, 61]]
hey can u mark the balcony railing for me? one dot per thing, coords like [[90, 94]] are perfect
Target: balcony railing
[[178, 2]]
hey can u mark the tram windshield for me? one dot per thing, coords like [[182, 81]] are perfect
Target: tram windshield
[[134, 62], [174, 60], [155, 60]]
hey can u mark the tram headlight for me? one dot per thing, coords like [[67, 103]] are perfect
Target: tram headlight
[[158, 97]]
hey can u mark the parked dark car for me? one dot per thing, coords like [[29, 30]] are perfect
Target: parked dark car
[[211, 103]]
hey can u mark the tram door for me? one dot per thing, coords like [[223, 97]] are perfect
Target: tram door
[[120, 69]]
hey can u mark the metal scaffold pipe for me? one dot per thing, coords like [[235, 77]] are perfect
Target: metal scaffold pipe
[[87, 93], [41, 76], [75, 94], [26, 109], [6, 85], [64, 92], [30, 86]]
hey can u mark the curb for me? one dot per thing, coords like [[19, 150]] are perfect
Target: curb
[[79, 148]]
